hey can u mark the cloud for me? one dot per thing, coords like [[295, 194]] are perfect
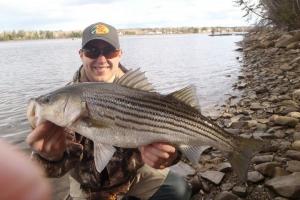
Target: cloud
[[77, 14]]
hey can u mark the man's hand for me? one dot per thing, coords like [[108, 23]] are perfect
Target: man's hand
[[158, 155], [21, 179], [48, 140]]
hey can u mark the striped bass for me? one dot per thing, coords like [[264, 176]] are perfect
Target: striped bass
[[129, 114]]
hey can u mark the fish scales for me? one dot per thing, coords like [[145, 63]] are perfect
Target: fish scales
[[160, 114]]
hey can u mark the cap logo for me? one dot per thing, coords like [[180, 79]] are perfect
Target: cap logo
[[100, 29]]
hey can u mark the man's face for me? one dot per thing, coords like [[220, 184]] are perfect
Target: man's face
[[102, 68]]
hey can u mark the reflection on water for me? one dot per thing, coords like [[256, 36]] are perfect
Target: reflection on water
[[31, 68]]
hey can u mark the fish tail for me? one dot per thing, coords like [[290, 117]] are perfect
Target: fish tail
[[245, 149]]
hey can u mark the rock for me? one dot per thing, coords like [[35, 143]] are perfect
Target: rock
[[284, 110], [267, 43], [213, 176], [241, 85], [267, 169], [196, 183], [226, 196], [233, 131], [261, 127], [182, 169], [293, 154], [280, 159], [227, 186], [241, 191], [296, 94], [294, 115], [197, 196], [284, 41], [280, 198], [224, 167], [293, 166], [274, 129], [286, 67], [284, 145], [283, 120], [295, 60], [262, 135], [261, 90], [255, 177], [287, 186], [238, 125], [279, 134], [293, 45], [289, 103], [252, 123], [262, 159], [256, 106], [263, 121], [296, 145], [279, 171], [296, 136]]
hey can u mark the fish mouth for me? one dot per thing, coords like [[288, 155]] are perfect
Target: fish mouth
[[33, 113]]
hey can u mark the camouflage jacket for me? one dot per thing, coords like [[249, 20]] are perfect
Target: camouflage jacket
[[116, 178]]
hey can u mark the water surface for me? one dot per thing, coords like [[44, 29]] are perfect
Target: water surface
[[31, 68]]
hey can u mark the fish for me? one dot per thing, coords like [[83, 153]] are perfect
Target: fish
[[129, 113]]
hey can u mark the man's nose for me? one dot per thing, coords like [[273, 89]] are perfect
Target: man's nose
[[101, 58]]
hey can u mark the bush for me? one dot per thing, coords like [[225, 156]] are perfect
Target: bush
[[280, 13]]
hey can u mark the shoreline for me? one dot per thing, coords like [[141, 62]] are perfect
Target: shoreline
[[268, 109]]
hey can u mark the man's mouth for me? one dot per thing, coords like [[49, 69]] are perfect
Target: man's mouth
[[101, 68]]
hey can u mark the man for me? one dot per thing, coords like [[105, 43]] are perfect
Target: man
[[136, 173]]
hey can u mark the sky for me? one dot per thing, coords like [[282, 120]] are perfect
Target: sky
[[77, 14]]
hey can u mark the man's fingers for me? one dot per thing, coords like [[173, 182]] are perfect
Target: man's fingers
[[56, 141], [164, 147], [38, 133], [74, 146]]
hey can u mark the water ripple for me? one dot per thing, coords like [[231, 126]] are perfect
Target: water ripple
[[31, 68]]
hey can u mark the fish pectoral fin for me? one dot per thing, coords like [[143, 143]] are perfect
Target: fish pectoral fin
[[193, 153], [102, 155]]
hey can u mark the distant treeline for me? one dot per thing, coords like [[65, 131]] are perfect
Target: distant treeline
[[35, 35]]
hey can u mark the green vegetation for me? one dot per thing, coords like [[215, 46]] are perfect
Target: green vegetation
[[35, 35], [279, 13]]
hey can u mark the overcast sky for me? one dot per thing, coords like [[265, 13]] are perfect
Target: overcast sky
[[77, 14]]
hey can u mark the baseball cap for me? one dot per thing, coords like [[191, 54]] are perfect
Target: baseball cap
[[101, 31]]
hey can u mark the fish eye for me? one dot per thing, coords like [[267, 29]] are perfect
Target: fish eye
[[46, 99]]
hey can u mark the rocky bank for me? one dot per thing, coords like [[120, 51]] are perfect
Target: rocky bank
[[269, 109]]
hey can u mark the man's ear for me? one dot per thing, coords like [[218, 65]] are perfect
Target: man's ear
[[120, 53], [80, 54]]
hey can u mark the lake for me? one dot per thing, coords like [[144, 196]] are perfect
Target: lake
[[32, 68]]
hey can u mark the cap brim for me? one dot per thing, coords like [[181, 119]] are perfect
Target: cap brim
[[104, 39]]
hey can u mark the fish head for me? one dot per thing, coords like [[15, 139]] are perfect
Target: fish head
[[61, 107]]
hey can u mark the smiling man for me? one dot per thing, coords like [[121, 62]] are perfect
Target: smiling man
[[132, 173]]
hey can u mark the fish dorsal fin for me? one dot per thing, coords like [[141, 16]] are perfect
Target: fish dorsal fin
[[135, 79], [187, 95]]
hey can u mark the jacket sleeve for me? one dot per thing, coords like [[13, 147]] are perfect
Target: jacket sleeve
[[55, 169], [72, 156]]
